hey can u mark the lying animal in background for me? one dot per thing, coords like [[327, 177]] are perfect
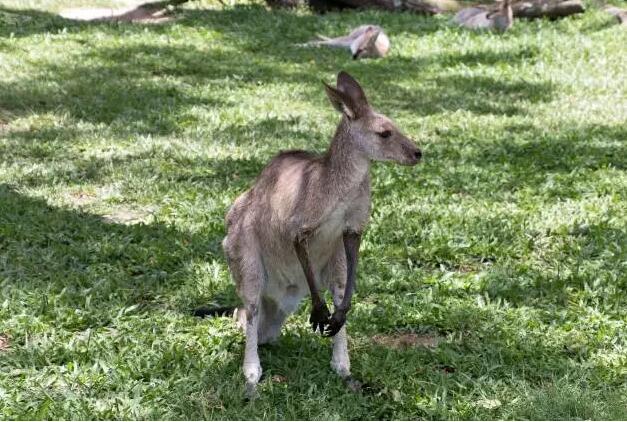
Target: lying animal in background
[[620, 14], [364, 41], [297, 230], [479, 17]]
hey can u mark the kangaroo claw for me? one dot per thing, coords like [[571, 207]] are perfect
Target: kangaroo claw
[[319, 318], [336, 323]]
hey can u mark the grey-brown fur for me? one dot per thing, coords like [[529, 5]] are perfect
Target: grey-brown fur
[[620, 14], [365, 41], [308, 210], [479, 17]]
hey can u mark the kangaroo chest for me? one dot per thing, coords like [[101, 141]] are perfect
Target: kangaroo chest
[[330, 230], [286, 280]]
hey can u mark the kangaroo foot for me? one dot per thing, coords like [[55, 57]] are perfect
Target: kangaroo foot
[[353, 384], [250, 393]]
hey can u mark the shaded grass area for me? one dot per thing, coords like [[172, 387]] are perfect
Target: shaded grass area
[[123, 145]]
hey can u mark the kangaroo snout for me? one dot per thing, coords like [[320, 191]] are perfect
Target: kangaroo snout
[[417, 155], [414, 157], [413, 154]]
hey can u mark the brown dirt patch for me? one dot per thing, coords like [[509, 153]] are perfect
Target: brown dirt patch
[[279, 379], [5, 118], [4, 342], [80, 198], [129, 216], [407, 340]]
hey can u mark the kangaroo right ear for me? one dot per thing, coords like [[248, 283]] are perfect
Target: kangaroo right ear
[[340, 101], [373, 38]]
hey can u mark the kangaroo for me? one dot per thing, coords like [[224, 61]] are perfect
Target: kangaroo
[[297, 230], [364, 41], [620, 14], [481, 18]]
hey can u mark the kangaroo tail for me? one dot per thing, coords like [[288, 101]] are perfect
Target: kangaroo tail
[[320, 40], [217, 311], [323, 38]]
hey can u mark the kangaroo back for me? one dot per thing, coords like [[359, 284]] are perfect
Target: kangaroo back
[[504, 18], [480, 17]]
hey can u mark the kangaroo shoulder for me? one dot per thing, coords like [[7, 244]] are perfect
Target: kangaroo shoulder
[[237, 208]]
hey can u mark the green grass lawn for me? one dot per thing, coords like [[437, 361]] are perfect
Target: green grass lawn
[[122, 146]]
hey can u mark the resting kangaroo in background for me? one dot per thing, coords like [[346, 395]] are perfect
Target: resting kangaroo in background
[[364, 41], [481, 18], [298, 229]]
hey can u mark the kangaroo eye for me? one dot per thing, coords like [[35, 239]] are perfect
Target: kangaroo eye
[[385, 134]]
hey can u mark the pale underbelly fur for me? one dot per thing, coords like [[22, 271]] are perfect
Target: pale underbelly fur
[[286, 284]]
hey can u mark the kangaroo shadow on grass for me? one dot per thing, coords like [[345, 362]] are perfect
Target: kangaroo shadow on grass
[[295, 368], [71, 255], [473, 351]]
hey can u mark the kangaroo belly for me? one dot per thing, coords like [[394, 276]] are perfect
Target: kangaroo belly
[[327, 235], [286, 283]]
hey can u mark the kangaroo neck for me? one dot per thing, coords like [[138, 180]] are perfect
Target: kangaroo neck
[[346, 166]]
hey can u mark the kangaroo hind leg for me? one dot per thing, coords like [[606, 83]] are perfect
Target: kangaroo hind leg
[[249, 274], [270, 321], [336, 274]]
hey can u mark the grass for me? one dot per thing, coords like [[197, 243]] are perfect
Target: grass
[[121, 147]]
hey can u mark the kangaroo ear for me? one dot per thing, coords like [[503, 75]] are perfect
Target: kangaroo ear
[[351, 89], [340, 101], [373, 38]]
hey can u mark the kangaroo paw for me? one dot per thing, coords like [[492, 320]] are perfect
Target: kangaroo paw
[[353, 384]]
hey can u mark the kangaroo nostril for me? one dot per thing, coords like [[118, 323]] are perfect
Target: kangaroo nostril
[[418, 154]]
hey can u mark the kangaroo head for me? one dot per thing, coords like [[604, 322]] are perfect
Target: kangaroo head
[[372, 43], [371, 133], [365, 44]]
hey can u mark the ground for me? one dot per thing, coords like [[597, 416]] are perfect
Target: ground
[[493, 276]]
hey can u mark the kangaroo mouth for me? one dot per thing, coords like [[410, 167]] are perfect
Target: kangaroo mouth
[[413, 157]]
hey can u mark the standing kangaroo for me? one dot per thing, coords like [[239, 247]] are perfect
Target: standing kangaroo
[[298, 229]]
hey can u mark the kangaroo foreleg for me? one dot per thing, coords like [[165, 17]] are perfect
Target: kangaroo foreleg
[[320, 313], [351, 241]]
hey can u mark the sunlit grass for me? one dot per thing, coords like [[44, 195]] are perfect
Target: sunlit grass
[[123, 145]]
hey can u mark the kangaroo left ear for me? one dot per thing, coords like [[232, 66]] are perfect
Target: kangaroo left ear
[[351, 89], [340, 101]]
